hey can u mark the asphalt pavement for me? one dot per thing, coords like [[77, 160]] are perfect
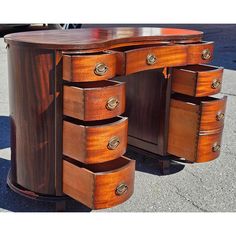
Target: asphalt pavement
[[205, 187]]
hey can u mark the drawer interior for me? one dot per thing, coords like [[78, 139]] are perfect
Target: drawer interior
[[79, 53], [109, 166], [197, 68], [193, 100], [112, 121], [93, 84]]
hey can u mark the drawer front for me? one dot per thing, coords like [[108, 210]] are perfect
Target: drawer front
[[213, 114], [155, 57], [100, 186], [95, 142], [82, 68], [200, 53], [209, 147], [197, 80], [103, 100]]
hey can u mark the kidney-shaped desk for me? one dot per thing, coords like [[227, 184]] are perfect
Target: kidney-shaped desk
[[78, 97]]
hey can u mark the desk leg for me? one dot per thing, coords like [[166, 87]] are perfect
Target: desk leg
[[164, 165], [60, 206]]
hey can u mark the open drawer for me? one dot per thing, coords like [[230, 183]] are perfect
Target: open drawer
[[80, 67], [95, 141], [99, 186], [94, 100], [197, 80], [195, 127]]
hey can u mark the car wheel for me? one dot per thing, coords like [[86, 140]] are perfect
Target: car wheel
[[64, 26]]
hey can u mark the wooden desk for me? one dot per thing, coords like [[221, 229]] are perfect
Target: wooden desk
[[72, 91]]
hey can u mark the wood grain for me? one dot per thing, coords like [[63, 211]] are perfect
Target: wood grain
[[196, 80], [32, 112], [80, 68], [195, 51], [96, 187], [209, 110], [100, 38], [167, 56], [147, 106], [205, 144], [193, 127], [88, 101], [183, 129], [87, 142]]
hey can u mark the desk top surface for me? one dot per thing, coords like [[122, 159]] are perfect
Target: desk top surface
[[99, 38]]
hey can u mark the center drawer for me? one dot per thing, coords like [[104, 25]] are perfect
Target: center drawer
[[101, 185], [94, 100], [95, 141]]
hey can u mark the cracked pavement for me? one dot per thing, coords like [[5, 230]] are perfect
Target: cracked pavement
[[203, 187]]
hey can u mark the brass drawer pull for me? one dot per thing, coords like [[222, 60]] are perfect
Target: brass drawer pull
[[151, 59], [220, 116], [216, 84], [121, 189], [206, 54], [216, 147], [100, 69], [112, 103], [113, 143]]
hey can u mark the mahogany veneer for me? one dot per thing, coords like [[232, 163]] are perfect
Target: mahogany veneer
[[197, 80], [94, 100], [195, 127], [68, 90]]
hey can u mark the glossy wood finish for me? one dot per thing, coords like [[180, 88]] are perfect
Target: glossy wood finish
[[52, 152], [197, 80], [193, 126], [32, 112], [205, 146], [81, 68], [210, 112], [90, 101], [100, 38], [196, 50], [88, 142], [147, 106], [166, 56], [96, 185]]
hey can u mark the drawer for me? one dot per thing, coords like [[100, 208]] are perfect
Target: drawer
[[155, 57], [197, 80], [89, 67], [99, 185], [208, 147], [200, 53], [94, 100], [95, 141], [194, 127]]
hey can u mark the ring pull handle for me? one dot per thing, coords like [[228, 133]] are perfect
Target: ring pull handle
[[112, 103], [216, 84], [206, 54], [216, 147], [113, 143], [220, 116], [121, 189], [101, 69], [151, 59]]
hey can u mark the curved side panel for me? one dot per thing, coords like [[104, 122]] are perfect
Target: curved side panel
[[32, 112]]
